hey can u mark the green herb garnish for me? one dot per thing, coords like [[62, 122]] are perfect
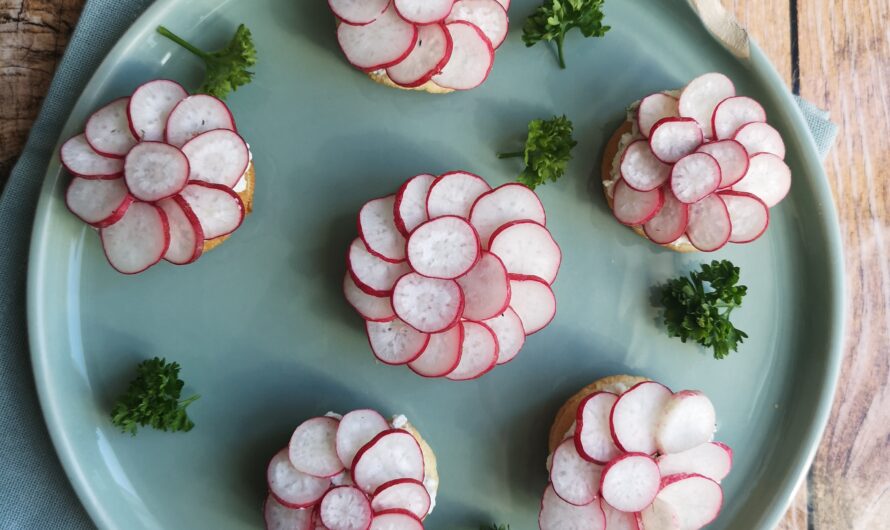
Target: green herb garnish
[[694, 311], [227, 69], [547, 151], [152, 399], [555, 18]]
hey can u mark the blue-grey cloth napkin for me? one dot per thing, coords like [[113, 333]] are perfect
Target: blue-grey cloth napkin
[[34, 491]]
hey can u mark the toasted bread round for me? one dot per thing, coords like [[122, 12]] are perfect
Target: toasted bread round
[[381, 77], [429, 459], [246, 198]]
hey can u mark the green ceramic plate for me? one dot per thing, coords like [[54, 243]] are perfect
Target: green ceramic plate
[[262, 331]]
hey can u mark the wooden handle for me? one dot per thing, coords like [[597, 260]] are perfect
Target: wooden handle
[[723, 25]]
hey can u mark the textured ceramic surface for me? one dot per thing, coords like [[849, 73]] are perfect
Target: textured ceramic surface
[[264, 335]]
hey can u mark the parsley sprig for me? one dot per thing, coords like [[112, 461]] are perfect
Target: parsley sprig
[[698, 312], [551, 22], [227, 68], [548, 149], [152, 399]]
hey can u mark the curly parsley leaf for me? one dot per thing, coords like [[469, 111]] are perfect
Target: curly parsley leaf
[[227, 68], [698, 307], [552, 20], [548, 149], [152, 399]]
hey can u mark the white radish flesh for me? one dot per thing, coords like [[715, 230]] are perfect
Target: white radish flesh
[[454, 194], [670, 222], [395, 520], [186, 235], [430, 53], [429, 305], [292, 487], [423, 11], [533, 301], [100, 203], [372, 274], [504, 204], [486, 288], [688, 420], [732, 157], [195, 115], [472, 57], [149, 107], [345, 508], [696, 499], [593, 435], [709, 226], [357, 428], [358, 12], [409, 210], [155, 170], [138, 240], [510, 334], [441, 355], [654, 108], [405, 494], [370, 307], [694, 177], [573, 478], [631, 482], [760, 138], [220, 156], [618, 520], [279, 517], [79, 158], [219, 209], [377, 228], [380, 44], [640, 169], [632, 207], [527, 248], [635, 415], [395, 342], [557, 514], [445, 247], [108, 130], [702, 95], [488, 15], [748, 214], [673, 138], [479, 352], [313, 447], [391, 455], [660, 516], [768, 177], [712, 460], [734, 112]]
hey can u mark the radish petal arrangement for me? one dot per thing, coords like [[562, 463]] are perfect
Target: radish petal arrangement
[[451, 275], [352, 472], [700, 166], [158, 173]]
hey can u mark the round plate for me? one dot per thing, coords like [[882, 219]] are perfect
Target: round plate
[[261, 329]]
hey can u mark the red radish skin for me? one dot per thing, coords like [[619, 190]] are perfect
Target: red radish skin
[[446, 247], [372, 274], [108, 130], [358, 12], [633, 208], [618, 520], [487, 15], [377, 228], [279, 517], [370, 307], [527, 248], [428, 305], [219, 209], [430, 54], [81, 160], [510, 334], [293, 488], [760, 138], [702, 95], [709, 226], [593, 435], [345, 508], [423, 11], [634, 417], [395, 342], [385, 42], [454, 193], [220, 156], [409, 210], [533, 301], [155, 171], [402, 494], [748, 214], [660, 516], [510, 202], [486, 288], [732, 158], [441, 355], [186, 235], [734, 112], [641, 169], [195, 115], [696, 499], [395, 520], [673, 138], [694, 177], [573, 478], [479, 352], [137, 240], [355, 429], [99, 203], [313, 447], [630, 482], [472, 58], [391, 455], [712, 460], [654, 108], [670, 222], [557, 514], [768, 177], [687, 421], [149, 107]]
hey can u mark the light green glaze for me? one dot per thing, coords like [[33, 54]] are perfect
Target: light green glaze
[[262, 331]]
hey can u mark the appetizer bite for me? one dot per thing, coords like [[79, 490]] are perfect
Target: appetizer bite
[[697, 168], [434, 45], [352, 472], [451, 275], [626, 453]]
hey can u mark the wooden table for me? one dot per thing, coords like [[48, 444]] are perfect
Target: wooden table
[[835, 53]]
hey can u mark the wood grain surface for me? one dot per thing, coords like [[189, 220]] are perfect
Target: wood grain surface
[[837, 52]]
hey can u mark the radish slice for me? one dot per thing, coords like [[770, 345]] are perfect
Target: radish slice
[[79, 158], [441, 355], [487, 15], [593, 436], [509, 332], [454, 194], [694, 177], [446, 247], [632, 207], [358, 12], [486, 288], [702, 95], [673, 138], [709, 226], [219, 157], [380, 44], [138, 240], [527, 248], [195, 115], [355, 430], [660, 516], [573, 478], [429, 305], [292, 487], [768, 177], [472, 57], [734, 112], [696, 499], [395, 520], [403, 494], [760, 138], [712, 460], [430, 53], [149, 107], [533, 301], [670, 222], [618, 520], [505, 3], [313, 447], [219, 209], [748, 214], [409, 210], [372, 274], [688, 420], [391, 455], [423, 11], [654, 108], [370, 307], [155, 170], [640, 169], [510, 202], [557, 514], [280, 517], [635, 415], [186, 235], [108, 131], [376, 227], [395, 342], [631, 482], [100, 203], [732, 158], [479, 352], [345, 508]]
